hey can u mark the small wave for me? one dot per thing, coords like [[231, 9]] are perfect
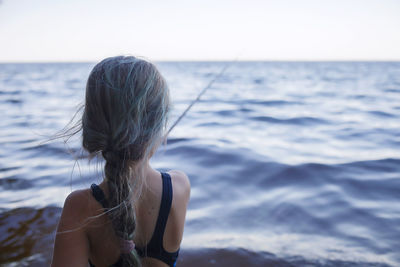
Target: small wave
[[209, 124], [225, 113], [270, 102], [14, 101], [245, 110], [9, 169], [381, 114], [258, 81], [13, 183], [392, 90], [16, 92], [296, 121], [304, 175], [172, 141], [377, 166]]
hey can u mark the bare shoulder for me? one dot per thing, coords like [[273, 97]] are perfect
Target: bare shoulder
[[181, 184], [71, 246], [78, 195], [76, 205], [78, 199]]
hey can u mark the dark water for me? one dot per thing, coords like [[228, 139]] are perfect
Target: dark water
[[291, 164]]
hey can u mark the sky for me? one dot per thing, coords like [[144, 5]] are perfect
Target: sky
[[89, 30]]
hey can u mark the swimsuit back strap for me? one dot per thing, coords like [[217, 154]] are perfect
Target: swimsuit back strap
[[99, 195], [165, 207]]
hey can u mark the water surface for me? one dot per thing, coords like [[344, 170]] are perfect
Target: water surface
[[291, 163]]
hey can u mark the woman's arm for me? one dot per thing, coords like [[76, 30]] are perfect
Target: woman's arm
[[71, 247]]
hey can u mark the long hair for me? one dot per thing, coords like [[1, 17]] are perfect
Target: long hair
[[124, 118]]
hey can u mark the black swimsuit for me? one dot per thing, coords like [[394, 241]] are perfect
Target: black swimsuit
[[154, 249]]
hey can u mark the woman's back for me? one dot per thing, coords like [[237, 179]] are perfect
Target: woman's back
[[147, 216], [124, 120], [103, 244]]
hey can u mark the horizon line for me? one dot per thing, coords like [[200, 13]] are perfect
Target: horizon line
[[205, 60]]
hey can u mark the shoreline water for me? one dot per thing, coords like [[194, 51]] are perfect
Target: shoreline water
[[31, 233]]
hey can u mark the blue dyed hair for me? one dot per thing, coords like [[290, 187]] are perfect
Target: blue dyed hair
[[124, 119]]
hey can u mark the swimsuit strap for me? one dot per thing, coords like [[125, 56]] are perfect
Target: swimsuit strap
[[99, 195], [154, 248], [165, 207]]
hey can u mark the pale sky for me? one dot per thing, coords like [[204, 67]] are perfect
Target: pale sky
[[89, 30]]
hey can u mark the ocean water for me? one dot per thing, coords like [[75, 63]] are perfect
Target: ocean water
[[291, 163]]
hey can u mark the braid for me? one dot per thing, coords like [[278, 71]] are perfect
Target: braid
[[122, 211]]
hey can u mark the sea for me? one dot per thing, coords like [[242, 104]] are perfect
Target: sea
[[290, 163]]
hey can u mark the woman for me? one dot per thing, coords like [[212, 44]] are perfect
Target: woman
[[136, 215]]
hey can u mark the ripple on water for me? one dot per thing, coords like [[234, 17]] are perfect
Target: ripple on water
[[14, 183], [296, 121]]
